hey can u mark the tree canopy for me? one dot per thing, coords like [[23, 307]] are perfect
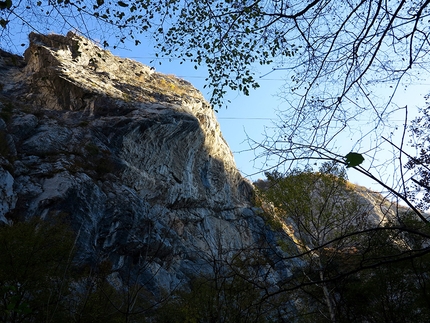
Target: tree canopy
[[358, 263]]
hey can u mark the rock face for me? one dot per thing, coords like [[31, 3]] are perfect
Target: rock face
[[134, 159]]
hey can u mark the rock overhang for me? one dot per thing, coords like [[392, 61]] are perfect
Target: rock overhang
[[119, 153]]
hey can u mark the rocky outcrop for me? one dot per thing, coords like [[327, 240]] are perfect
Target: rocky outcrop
[[133, 159]]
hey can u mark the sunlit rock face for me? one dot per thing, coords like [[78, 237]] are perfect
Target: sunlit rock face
[[133, 159]]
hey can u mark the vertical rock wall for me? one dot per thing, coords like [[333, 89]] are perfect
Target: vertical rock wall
[[135, 161]]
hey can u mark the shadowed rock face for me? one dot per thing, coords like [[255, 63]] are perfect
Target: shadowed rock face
[[134, 159]]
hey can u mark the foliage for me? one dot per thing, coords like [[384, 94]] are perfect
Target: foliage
[[6, 111], [319, 204], [34, 271], [7, 4], [321, 211], [168, 85], [95, 161], [353, 159], [95, 300], [231, 299], [39, 282], [395, 292], [353, 270], [4, 145]]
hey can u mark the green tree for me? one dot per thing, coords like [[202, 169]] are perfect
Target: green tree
[[35, 272], [354, 269], [231, 298], [40, 283], [395, 292], [319, 210], [230, 285]]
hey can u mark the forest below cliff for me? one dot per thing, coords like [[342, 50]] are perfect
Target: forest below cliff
[[352, 262]]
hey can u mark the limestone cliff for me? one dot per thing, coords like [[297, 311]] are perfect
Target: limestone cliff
[[134, 159]]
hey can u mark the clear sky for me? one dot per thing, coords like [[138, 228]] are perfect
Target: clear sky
[[244, 116], [253, 117]]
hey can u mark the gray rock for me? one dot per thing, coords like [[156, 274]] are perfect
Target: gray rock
[[134, 159], [23, 126], [8, 195]]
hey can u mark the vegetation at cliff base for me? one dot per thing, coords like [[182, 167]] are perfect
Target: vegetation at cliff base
[[355, 265], [342, 267]]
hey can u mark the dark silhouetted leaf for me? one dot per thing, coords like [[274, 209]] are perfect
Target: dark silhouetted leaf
[[5, 4], [3, 22], [353, 159]]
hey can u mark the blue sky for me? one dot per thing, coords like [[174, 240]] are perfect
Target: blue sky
[[244, 116], [254, 116]]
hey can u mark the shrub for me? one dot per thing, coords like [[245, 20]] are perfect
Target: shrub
[[34, 261]]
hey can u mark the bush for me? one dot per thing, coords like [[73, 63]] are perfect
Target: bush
[[35, 258]]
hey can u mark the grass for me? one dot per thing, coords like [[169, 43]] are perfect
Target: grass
[[170, 85]]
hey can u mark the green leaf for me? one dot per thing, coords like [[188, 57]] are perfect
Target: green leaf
[[100, 2], [122, 4], [3, 23], [353, 159], [5, 4]]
